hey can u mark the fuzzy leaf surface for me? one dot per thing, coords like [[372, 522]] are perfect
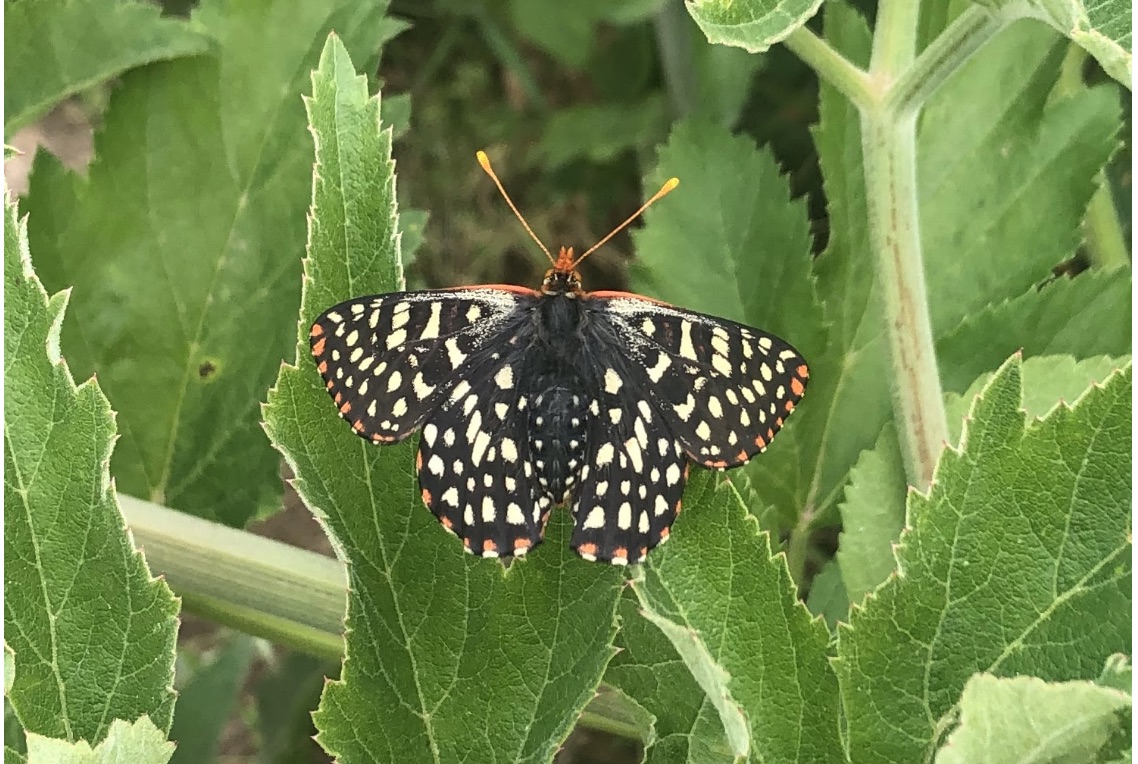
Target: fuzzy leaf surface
[[91, 632], [1022, 541]]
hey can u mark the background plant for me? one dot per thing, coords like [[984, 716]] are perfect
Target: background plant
[[932, 211]]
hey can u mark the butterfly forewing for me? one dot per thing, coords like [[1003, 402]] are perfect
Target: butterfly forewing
[[723, 389], [389, 360]]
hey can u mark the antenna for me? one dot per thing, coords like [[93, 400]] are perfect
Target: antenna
[[668, 187], [485, 162]]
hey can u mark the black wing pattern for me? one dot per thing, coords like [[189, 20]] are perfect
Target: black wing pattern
[[390, 359], [723, 389]]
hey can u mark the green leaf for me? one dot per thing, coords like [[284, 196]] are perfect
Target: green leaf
[[1118, 673], [873, 513], [183, 246], [286, 697], [92, 633], [600, 132], [751, 24], [138, 743], [207, 700], [56, 48], [1101, 27], [1027, 719], [1006, 170], [1022, 541], [1084, 316], [686, 726], [744, 249], [431, 633], [566, 31], [729, 609], [828, 596]]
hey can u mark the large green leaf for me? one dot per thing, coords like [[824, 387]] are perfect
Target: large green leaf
[[183, 245], [448, 656], [1007, 721], [137, 743], [1023, 540], [730, 242], [1084, 316], [93, 634], [601, 132], [751, 24], [1102, 27], [1006, 169], [686, 726], [55, 48], [873, 512], [729, 608]]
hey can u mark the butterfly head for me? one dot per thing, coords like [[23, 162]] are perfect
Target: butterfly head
[[562, 278]]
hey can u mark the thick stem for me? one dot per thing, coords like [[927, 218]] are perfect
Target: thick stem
[[943, 57], [832, 67], [894, 39], [889, 145], [674, 36]]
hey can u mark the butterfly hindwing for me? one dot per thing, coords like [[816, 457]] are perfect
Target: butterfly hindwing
[[723, 389], [475, 468], [389, 360], [633, 478]]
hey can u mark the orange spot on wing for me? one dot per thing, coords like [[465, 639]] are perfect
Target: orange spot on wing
[[316, 330], [446, 521], [803, 371], [358, 425], [489, 546], [741, 456], [426, 497], [664, 533], [419, 462], [318, 348], [679, 506], [330, 384], [778, 422], [587, 549], [346, 407], [323, 368], [770, 432], [760, 442], [716, 465], [620, 553], [643, 552], [796, 386], [521, 543], [789, 406]]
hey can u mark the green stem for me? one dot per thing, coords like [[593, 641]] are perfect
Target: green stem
[[286, 595], [943, 57], [1106, 242], [798, 547], [832, 67], [889, 147], [894, 39], [673, 34]]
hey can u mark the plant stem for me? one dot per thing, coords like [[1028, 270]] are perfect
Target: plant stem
[[894, 39], [831, 66], [673, 34], [943, 57], [889, 149], [889, 146], [798, 547], [1106, 243], [287, 595]]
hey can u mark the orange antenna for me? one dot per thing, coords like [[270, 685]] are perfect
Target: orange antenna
[[485, 162], [667, 188]]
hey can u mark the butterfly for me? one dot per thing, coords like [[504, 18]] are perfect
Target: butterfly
[[534, 398]]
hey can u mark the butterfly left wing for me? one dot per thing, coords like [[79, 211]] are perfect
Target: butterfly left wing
[[388, 360], [722, 388]]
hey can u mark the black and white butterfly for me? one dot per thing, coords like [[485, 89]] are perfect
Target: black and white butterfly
[[529, 399]]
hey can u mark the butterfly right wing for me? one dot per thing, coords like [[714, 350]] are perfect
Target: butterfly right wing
[[389, 360]]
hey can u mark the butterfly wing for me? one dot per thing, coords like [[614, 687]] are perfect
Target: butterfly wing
[[475, 467], [723, 389], [388, 360]]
